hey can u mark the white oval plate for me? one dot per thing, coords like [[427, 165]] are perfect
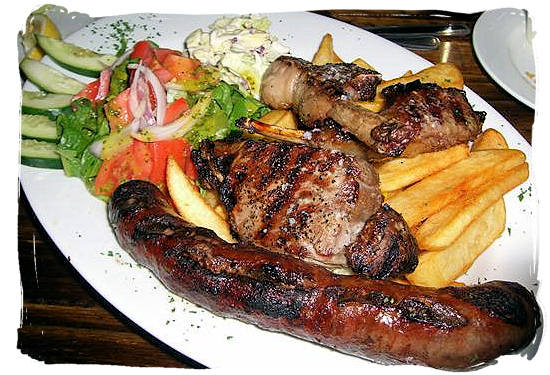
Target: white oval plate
[[501, 45], [77, 222]]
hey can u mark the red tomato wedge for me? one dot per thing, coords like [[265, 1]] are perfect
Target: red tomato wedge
[[143, 50], [118, 112], [153, 57], [179, 149], [175, 109], [89, 92], [182, 67], [144, 161], [161, 53], [134, 163]]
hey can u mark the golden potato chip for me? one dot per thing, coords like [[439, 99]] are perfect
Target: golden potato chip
[[272, 116], [282, 118]]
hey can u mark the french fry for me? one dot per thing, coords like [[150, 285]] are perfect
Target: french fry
[[325, 54], [430, 195], [400, 172], [190, 204], [363, 64], [440, 268], [273, 116], [376, 105], [388, 194], [488, 140], [443, 228], [282, 118], [443, 74]]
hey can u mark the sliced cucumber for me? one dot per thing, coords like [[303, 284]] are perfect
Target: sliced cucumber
[[40, 103], [38, 127], [74, 58], [40, 154], [50, 79]]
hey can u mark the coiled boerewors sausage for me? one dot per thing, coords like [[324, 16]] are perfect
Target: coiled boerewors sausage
[[450, 328]]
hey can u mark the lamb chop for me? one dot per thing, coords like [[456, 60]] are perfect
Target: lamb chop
[[311, 90], [316, 204], [418, 117]]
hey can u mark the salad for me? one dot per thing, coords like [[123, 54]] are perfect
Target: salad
[[240, 47], [146, 105]]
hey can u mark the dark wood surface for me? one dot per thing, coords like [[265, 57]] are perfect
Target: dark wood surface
[[65, 321]]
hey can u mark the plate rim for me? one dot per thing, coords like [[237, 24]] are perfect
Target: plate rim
[[356, 29]]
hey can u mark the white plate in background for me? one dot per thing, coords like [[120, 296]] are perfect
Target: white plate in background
[[503, 49]]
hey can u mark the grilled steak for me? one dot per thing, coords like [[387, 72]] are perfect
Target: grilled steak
[[450, 328], [308, 202], [311, 90], [418, 117]]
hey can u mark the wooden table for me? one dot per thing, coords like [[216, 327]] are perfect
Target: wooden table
[[66, 321]]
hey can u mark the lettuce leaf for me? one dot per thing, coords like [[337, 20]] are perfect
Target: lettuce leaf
[[78, 127], [228, 105]]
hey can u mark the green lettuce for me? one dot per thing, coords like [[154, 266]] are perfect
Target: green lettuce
[[78, 127], [228, 105]]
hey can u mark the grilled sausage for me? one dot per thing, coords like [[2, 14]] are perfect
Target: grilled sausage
[[450, 328]]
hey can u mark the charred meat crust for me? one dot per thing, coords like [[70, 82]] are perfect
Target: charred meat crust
[[452, 328], [292, 198], [384, 248], [311, 90], [419, 117]]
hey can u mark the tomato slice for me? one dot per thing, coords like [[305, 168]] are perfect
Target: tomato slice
[[118, 112], [163, 75], [181, 67], [143, 50], [133, 163], [161, 53], [89, 92], [179, 149], [175, 109]]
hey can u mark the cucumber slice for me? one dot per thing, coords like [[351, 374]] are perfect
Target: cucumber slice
[[50, 79], [40, 103], [39, 127], [74, 58], [40, 154]]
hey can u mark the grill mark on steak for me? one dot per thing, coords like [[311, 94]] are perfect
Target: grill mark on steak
[[280, 196], [323, 205]]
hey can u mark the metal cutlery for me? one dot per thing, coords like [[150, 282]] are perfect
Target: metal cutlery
[[419, 37]]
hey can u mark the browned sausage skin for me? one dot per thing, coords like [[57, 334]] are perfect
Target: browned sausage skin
[[450, 328]]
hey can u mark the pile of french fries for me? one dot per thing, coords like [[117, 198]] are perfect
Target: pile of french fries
[[452, 199]]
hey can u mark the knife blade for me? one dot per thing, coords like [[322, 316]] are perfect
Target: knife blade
[[456, 30], [415, 42]]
